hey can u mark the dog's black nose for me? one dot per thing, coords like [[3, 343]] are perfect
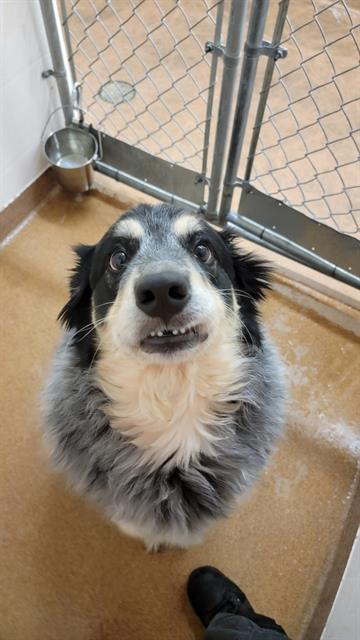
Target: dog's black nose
[[163, 294]]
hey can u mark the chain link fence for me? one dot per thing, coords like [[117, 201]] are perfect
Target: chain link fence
[[144, 72], [155, 74], [308, 150]]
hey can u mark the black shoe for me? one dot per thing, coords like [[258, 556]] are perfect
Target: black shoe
[[210, 592]]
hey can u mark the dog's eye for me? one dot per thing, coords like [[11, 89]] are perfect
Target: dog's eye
[[203, 253], [117, 260]]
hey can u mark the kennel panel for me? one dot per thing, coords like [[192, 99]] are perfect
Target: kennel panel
[[144, 72], [307, 153]]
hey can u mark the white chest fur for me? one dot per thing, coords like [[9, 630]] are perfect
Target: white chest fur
[[172, 410]]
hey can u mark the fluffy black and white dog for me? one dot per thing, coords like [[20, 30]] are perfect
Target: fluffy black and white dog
[[165, 396]]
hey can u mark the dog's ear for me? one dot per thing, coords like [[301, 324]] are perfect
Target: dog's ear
[[76, 314], [251, 279], [252, 275]]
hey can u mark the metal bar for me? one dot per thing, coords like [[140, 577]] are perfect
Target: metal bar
[[259, 9], [231, 66], [265, 89], [294, 227], [65, 26], [147, 169], [272, 240], [144, 187], [212, 79], [59, 56]]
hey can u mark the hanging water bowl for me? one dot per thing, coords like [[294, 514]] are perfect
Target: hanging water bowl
[[72, 153]]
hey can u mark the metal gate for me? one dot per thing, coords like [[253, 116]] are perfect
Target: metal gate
[[178, 90]]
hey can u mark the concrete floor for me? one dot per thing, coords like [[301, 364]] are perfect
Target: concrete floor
[[68, 573]]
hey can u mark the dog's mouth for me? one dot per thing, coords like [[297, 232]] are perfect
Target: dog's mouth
[[171, 340]]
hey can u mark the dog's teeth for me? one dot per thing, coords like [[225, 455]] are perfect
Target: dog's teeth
[[159, 334], [182, 331], [175, 332]]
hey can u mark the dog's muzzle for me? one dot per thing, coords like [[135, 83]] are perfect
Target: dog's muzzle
[[163, 294]]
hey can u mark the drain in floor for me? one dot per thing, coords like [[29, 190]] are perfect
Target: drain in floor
[[117, 91]]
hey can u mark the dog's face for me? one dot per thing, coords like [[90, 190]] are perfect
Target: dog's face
[[163, 284]]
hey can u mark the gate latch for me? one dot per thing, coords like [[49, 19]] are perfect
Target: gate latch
[[51, 72], [266, 49], [211, 47]]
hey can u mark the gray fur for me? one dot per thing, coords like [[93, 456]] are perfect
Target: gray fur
[[171, 506]]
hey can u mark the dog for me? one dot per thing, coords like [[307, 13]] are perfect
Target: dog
[[165, 396]]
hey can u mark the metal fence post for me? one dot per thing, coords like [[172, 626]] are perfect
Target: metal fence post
[[265, 89], [212, 80], [231, 56], [252, 48], [67, 37], [61, 68]]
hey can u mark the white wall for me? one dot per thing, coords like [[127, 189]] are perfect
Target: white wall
[[26, 99], [344, 619]]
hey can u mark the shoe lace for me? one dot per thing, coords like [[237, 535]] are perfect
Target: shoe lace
[[235, 603], [231, 603]]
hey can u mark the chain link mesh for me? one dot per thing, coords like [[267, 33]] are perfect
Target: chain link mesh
[[308, 149], [157, 47]]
